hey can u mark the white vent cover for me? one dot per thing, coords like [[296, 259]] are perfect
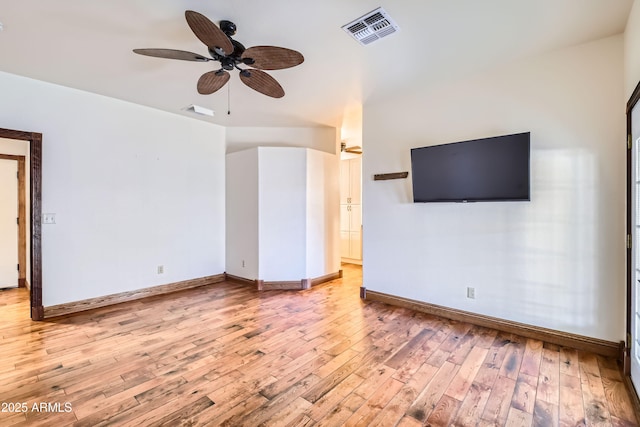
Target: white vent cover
[[371, 27], [199, 110]]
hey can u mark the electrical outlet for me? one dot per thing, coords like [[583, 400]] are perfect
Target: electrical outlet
[[161, 269], [471, 292], [48, 218]]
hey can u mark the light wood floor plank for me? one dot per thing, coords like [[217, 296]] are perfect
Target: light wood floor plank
[[227, 355]]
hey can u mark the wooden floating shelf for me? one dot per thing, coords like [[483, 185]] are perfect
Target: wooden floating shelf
[[395, 175]]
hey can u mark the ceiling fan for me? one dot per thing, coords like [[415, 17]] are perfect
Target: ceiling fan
[[354, 149], [231, 54]]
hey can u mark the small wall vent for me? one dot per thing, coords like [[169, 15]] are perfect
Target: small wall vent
[[371, 27], [199, 110]]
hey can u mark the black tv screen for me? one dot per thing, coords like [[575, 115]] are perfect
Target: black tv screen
[[488, 169]]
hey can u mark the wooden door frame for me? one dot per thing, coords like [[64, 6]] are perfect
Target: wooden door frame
[[35, 166], [22, 229]]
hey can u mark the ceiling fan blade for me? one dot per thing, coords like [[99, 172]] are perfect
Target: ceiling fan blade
[[208, 32], [272, 57], [262, 82], [212, 81], [172, 54]]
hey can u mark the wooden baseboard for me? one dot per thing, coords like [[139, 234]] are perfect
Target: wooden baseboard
[[287, 285], [326, 278], [299, 285], [293, 285], [261, 285], [633, 394], [37, 313], [88, 304], [242, 280], [564, 339]]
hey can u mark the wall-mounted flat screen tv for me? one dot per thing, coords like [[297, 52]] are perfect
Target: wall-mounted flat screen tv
[[488, 169]]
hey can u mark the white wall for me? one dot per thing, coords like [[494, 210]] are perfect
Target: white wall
[[632, 50], [351, 129], [132, 188], [319, 233], [557, 261], [242, 214], [323, 215], [282, 219], [282, 213], [319, 138]]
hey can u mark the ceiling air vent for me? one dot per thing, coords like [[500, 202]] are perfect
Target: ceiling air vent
[[371, 27]]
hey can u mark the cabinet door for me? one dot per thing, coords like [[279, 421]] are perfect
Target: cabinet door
[[355, 245], [355, 220], [345, 246], [345, 217], [355, 180]]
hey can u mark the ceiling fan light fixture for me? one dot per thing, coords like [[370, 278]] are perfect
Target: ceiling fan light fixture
[[197, 109]]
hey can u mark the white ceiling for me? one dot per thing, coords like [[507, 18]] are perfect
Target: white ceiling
[[88, 45]]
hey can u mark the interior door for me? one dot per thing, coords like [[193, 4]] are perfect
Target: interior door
[[8, 223]]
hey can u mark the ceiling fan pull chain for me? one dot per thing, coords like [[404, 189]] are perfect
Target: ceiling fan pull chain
[[229, 99]]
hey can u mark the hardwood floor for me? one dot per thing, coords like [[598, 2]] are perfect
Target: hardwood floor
[[228, 355]]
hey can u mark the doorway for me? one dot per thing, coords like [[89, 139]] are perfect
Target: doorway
[[13, 223], [34, 140]]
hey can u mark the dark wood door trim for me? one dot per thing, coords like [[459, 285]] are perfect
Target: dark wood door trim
[[633, 100], [35, 153]]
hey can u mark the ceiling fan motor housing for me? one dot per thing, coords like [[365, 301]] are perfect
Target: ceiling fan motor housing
[[228, 63], [228, 27], [238, 48]]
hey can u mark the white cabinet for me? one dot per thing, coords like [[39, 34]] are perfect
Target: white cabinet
[[351, 210], [350, 180], [350, 218]]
